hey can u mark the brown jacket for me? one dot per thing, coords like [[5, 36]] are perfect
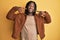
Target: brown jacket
[[19, 21]]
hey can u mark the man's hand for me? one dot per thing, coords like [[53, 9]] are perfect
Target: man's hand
[[42, 13], [21, 9]]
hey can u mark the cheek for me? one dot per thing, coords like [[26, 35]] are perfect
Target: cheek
[[32, 7]]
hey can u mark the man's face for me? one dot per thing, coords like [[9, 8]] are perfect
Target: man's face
[[31, 7]]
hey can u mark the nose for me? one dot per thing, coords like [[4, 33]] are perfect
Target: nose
[[30, 7]]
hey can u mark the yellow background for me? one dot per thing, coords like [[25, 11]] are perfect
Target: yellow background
[[52, 30]]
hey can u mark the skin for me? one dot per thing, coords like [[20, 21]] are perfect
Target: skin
[[31, 8]]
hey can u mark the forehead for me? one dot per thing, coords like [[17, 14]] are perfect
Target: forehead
[[32, 4]]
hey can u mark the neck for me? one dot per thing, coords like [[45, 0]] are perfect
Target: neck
[[30, 14]]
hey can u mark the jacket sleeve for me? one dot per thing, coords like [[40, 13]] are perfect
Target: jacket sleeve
[[47, 18], [11, 14], [17, 27]]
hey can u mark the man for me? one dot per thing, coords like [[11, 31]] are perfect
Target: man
[[29, 24]]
